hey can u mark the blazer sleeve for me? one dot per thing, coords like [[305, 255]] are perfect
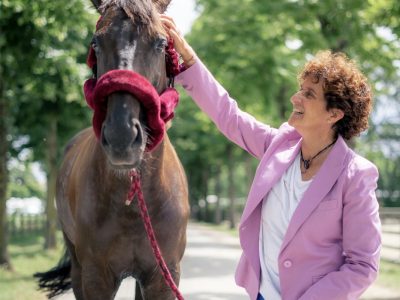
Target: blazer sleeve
[[361, 239], [238, 126]]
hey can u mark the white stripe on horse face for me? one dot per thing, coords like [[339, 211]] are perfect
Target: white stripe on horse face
[[127, 55]]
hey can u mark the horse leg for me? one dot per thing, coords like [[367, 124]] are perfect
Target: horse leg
[[154, 286], [98, 282], [76, 279], [76, 270]]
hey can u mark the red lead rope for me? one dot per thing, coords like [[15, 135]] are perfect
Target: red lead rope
[[135, 189]]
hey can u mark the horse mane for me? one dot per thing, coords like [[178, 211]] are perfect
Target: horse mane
[[143, 13]]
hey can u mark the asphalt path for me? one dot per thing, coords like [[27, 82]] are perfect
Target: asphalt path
[[208, 270]]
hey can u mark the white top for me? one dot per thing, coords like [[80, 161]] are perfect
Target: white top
[[277, 210]]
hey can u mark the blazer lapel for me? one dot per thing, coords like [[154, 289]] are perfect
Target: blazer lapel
[[318, 189], [269, 172]]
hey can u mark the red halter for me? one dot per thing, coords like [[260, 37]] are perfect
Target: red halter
[[159, 108]]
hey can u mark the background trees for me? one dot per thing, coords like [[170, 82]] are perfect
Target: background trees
[[255, 49], [43, 48]]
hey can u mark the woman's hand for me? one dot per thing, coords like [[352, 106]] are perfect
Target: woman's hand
[[180, 44]]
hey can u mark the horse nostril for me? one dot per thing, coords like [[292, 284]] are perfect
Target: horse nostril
[[137, 133], [103, 137]]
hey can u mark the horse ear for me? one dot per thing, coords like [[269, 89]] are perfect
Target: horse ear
[[97, 3], [161, 5]]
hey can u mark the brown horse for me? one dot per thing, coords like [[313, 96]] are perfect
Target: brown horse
[[106, 240]]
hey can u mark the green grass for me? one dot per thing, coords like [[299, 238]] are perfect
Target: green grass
[[27, 257], [389, 275], [224, 227]]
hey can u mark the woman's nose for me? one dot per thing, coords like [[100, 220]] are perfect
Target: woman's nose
[[296, 99]]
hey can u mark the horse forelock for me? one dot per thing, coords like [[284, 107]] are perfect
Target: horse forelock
[[142, 13]]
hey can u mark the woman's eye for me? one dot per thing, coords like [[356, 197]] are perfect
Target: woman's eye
[[306, 94]]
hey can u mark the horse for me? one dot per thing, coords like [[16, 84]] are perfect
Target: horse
[[106, 239]]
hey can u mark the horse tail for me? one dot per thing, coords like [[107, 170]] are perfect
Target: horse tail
[[58, 279]]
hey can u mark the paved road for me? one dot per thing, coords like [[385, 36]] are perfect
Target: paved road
[[208, 267], [391, 241]]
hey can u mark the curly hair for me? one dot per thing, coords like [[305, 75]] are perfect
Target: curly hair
[[345, 88]]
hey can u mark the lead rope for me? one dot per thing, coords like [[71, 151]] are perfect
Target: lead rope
[[136, 189]]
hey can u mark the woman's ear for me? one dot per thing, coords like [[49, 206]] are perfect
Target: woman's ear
[[336, 115]]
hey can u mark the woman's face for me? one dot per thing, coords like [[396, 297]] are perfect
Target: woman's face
[[309, 109]]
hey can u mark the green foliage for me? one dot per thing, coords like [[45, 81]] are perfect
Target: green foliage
[[23, 183], [43, 46], [256, 48]]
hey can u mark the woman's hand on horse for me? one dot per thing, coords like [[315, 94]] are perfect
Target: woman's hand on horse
[[180, 44]]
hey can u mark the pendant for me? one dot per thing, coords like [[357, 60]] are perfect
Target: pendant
[[306, 163]]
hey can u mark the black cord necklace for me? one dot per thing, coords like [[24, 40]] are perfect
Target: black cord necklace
[[307, 162]]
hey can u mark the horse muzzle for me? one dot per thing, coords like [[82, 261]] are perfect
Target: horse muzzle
[[122, 135]]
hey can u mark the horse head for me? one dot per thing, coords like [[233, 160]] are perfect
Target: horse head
[[129, 36]]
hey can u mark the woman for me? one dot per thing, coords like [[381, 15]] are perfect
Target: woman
[[310, 228]]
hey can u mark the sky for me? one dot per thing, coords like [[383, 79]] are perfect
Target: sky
[[183, 12]]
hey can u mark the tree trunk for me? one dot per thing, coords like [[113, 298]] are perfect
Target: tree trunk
[[248, 166], [282, 103], [51, 216], [231, 187], [4, 257], [218, 212], [205, 180]]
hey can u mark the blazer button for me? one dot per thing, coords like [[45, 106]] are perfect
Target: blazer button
[[287, 264]]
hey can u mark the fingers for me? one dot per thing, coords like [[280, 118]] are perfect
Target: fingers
[[180, 44], [169, 24], [167, 18], [172, 31]]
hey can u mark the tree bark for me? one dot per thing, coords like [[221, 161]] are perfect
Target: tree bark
[[4, 256], [205, 180], [282, 102], [51, 215], [231, 187], [218, 190]]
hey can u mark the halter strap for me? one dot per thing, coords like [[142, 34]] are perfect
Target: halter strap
[[159, 108]]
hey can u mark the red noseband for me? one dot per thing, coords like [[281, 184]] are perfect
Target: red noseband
[[159, 108]]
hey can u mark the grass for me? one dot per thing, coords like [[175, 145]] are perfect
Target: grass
[[27, 257], [389, 275], [223, 227]]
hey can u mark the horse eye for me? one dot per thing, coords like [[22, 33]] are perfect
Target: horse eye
[[160, 44], [93, 44]]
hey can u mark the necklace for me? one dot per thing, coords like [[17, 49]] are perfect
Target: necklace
[[307, 162]]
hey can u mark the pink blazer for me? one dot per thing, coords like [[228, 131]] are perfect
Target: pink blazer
[[331, 248]]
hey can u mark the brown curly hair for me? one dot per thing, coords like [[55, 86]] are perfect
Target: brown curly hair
[[345, 88]]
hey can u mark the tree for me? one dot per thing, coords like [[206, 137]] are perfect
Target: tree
[[15, 48], [255, 48], [51, 43], [23, 183]]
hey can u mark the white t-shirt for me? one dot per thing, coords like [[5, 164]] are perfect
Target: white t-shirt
[[277, 210]]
